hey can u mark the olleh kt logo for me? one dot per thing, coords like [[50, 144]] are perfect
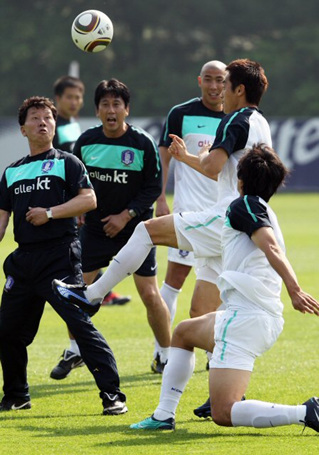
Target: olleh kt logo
[[117, 177], [41, 184]]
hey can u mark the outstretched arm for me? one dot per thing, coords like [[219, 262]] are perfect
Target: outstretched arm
[[264, 239]]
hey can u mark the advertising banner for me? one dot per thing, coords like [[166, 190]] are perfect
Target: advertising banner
[[296, 141]]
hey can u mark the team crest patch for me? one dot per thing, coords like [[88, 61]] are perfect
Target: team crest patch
[[183, 253], [47, 166], [127, 157], [9, 283]]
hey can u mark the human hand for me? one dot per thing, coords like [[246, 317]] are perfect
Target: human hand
[[162, 207], [81, 220], [114, 224], [305, 303], [37, 216], [177, 149]]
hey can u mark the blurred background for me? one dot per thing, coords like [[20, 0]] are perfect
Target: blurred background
[[158, 49]]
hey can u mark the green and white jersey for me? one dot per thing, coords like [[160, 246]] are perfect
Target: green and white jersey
[[196, 125], [45, 180], [237, 133], [125, 173], [246, 270], [66, 134]]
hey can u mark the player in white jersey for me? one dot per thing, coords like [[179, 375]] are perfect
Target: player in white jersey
[[254, 266], [196, 122], [194, 231]]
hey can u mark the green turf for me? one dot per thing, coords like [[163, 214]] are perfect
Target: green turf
[[66, 415]]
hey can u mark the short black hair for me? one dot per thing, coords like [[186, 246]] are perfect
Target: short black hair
[[113, 87], [250, 74], [261, 171], [65, 82], [39, 102]]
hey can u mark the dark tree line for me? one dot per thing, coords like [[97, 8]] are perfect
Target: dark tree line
[[159, 47]]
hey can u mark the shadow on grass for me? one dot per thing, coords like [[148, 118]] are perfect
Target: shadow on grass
[[53, 387], [117, 435]]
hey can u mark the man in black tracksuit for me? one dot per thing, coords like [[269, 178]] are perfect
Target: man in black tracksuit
[[45, 191]]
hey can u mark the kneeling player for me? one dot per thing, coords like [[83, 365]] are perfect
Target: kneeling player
[[254, 267]]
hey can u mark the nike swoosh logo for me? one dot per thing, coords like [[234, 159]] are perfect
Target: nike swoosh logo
[[75, 364], [67, 294], [15, 408], [154, 268], [201, 126]]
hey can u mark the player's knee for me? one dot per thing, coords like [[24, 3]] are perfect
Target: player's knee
[[179, 334], [149, 226], [197, 309], [150, 296], [11, 337], [193, 312], [221, 414]]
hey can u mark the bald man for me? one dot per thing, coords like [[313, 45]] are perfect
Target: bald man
[[195, 121]]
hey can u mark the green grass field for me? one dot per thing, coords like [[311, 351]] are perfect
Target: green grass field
[[66, 415]]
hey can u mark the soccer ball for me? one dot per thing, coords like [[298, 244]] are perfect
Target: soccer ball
[[92, 31]]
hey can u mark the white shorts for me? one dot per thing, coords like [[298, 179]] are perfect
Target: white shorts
[[183, 257], [241, 336], [199, 232], [206, 269]]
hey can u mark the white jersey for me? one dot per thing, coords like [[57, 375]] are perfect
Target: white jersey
[[237, 133], [248, 281], [197, 125]]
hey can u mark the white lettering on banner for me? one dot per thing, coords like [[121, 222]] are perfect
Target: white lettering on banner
[[296, 141], [282, 134], [117, 177], [307, 142]]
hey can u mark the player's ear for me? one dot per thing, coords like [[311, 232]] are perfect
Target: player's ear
[[199, 80], [241, 90], [23, 132], [127, 109]]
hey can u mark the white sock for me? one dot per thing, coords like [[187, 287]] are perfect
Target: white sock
[[170, 296], [126, 262], [259, 414], [178, 371], [74, 347], [164, 353]]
